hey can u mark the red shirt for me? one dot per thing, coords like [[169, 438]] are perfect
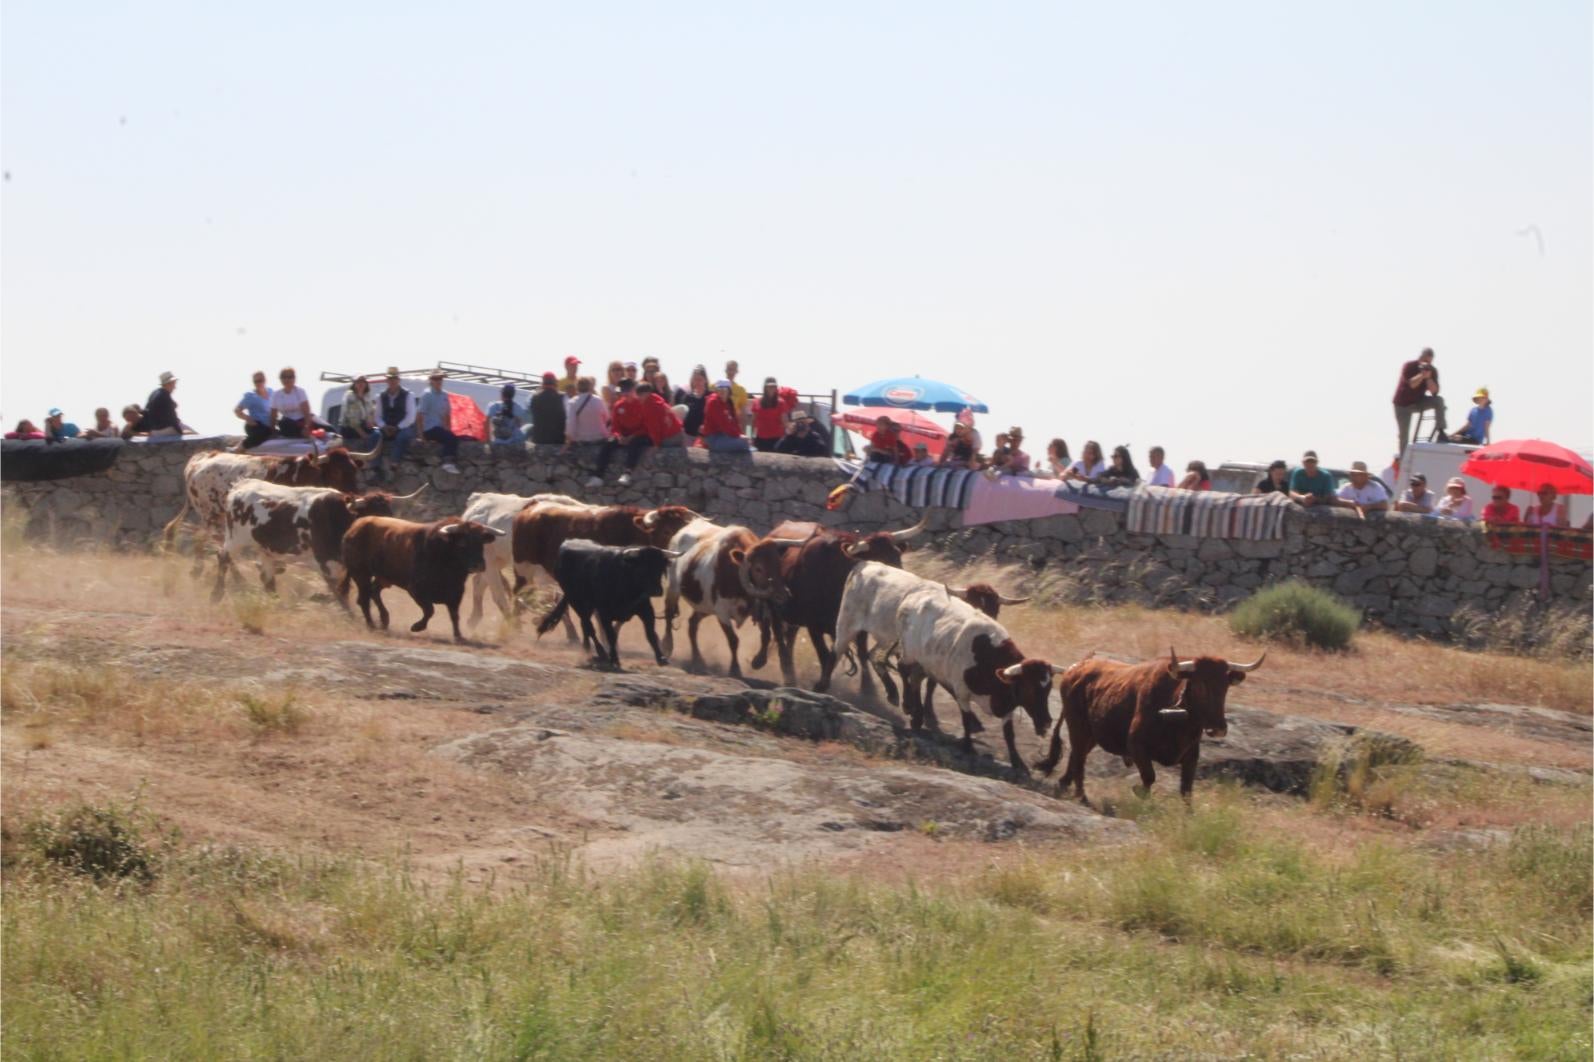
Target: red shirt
[[1405, 394], [889, 442], [659, 420], [719, 417], [1501, 513], [770, 423], [625, 417]]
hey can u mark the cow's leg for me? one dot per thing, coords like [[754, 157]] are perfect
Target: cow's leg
[[785, 644], [645, 611], [928, 699], [589, 638], [698, 663], [268, 574], [381, 607], [1187, 769], [967, 744], [1054, 753], [426, 617], [333, 580], [912, 706], [827, 658], [611, 635], [223, 562], [1019, 766], [735, 644], [1080, 742], [762, 656], [453, 618], [1148, 773]]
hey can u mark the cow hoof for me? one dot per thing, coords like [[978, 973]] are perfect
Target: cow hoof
[[417, 627], [1142, 791], [759, 661], [1021, 769], [966, 746], [662, 661]]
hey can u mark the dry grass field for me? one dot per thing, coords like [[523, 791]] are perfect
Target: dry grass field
[[287, 867]]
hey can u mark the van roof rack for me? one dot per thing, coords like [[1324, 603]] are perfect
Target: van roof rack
[[455, 370]]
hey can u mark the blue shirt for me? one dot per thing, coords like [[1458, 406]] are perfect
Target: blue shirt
[[257, 406], [435, 408], [1303, 482], [1478, 420]]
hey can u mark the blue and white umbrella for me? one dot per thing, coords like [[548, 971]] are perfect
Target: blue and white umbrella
[[914, 392]]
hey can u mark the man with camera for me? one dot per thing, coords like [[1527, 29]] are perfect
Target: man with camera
[[1418, 390]]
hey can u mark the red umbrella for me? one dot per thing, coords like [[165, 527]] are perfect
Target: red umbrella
[[1527, 464], [913, 425]]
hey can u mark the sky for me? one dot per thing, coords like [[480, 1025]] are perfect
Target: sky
[[1218, 227]]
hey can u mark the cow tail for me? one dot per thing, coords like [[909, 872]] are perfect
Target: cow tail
[[1054, 754], [169, 532], [555, 614]]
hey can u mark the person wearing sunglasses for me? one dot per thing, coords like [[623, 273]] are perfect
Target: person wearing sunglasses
[[254, 409], [1500, 509], [1547, 511]]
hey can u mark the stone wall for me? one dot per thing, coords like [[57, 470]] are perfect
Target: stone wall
[[1402, 571]]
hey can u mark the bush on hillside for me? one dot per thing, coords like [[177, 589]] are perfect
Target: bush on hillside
[[1297, 614], [103, 842]]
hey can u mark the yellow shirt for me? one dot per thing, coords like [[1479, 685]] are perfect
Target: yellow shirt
[[739, 398], [567, 385]]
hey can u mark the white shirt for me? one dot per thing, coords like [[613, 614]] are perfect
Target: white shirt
[[1426, 501], [287, 401], [1161, 476], [1093, 472], [585, 417], [1371, 494], [1455, 508]]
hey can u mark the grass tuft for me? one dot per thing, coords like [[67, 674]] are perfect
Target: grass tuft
[[103, 842], [266, 716], [1298, 614]]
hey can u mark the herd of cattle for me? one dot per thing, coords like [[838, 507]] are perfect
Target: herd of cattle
[[846, 590]]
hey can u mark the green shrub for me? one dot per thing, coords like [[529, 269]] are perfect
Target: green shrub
[[1298, 614], [103, 842]]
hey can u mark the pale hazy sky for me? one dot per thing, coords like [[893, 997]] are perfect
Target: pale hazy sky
[[1216, 226]]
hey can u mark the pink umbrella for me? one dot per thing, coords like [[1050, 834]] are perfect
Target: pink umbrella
[[914, 426]]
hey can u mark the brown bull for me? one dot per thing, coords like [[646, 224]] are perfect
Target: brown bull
[[1147, 713], [537, 533], [429, 561], [799, 571]]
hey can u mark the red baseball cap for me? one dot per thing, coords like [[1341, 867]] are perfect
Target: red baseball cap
[[572, 360], [549, 378]]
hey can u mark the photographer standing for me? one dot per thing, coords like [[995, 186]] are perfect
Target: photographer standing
[[1417, 390]]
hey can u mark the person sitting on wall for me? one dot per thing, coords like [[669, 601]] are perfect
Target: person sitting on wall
[[586, 416], [1311, 485], [1160, 475], [58, 429], [921, 456], [721, 431], [1417, 498], [1196, 477], [395, 410], [806, 438], [1018, 462], [434, 420], [158, 419], [506, 418], [1480, 420], [1501, 509], [1277, 480], [25, 429], [961, 449], [1547, 511], [357, 415], [886, 444], [1456, 504], [104, 427], [254, 409], [1057, 460], [290, 407], [132, 417], [1090, 467], [550, 410], [1363, 493], [1122, 471]]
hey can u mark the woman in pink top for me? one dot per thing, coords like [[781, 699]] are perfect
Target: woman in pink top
[[1548, 512]]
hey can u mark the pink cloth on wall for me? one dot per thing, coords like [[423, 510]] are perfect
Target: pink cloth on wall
[[1014, 498]]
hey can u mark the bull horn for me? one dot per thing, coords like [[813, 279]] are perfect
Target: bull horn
[[747, 583], [1013, 672], [411, 495], [909, 532], [1173, 715], [651, 520], [672, 552], [956, 591], [375, 451], [854, 549], [450, 529], [788, 543], [1251, 666], [1182, 667], [496, 533], [1011, 600]]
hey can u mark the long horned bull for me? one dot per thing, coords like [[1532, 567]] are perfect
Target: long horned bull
[[411, 496], [1178, 667], [857, 549], [375, 451], [963, 591]]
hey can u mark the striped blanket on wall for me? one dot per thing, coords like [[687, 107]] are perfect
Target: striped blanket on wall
[[918, 487], [1206, 513], [1520, 539]]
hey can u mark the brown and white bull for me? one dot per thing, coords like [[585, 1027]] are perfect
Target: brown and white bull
[[208, 476], [429, 561], [707, 573], [498, 511], [798, 573], [537, 533], [963, 649], [1147, 713], [275, 523], [983, 596]]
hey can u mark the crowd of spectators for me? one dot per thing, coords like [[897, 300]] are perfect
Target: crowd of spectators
[[635, 409]]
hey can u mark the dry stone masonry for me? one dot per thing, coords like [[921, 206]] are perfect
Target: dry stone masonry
[[1404, 572]]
